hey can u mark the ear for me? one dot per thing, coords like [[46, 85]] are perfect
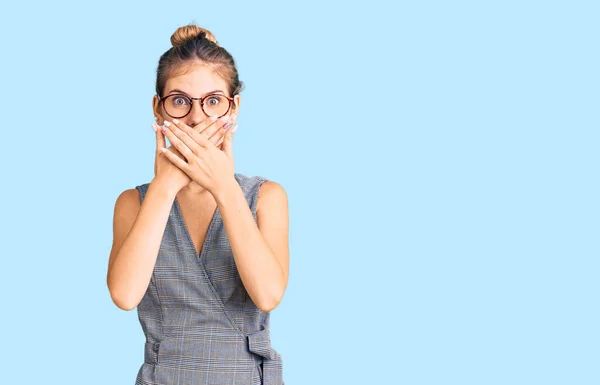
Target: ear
[[237, 100], [156, 109]]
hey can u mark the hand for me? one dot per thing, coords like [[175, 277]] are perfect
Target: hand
[[204, 163], [207, 127], [170, 175]]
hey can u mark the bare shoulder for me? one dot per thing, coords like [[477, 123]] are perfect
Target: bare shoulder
[[126, 210], [127, 207], [127, 202], [273, 222], [271, 194]]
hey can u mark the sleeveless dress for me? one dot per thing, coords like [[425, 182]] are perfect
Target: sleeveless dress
[[201, 326]]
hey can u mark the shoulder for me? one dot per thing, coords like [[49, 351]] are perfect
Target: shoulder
[[128, 202], [129, 195], [271, 195], [126, 209], [262, 193], [251, 184]]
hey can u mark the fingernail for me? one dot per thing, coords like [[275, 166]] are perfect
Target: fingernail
[[154, 127], [225, 118], [175, 121], [234, 128], [167, 123], [214, 117], [227, 125]]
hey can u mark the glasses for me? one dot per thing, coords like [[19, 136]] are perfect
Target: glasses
[[179, 105]]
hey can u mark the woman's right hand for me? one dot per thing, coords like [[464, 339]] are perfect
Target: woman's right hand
[[171, 176], [166, 171]]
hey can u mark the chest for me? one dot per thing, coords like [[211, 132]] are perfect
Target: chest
[[196, 221], [195, 263]]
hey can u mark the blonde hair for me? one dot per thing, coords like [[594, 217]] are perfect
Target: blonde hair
[[191, 31], [191, 45]]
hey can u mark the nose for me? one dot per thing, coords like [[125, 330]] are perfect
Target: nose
[[196, 115]]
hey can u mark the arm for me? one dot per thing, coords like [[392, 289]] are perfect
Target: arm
[[138, 231], [260, 248]]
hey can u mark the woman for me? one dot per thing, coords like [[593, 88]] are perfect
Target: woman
[[201, 251]]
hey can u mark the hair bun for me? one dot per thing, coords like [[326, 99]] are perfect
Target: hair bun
[[191, 31]]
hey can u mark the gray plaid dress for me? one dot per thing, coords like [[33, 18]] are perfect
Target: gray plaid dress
[[201, 326]]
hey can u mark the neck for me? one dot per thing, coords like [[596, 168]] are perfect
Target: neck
[[193, 190]]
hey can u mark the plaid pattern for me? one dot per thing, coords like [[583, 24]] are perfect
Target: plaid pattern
[[201, 326]]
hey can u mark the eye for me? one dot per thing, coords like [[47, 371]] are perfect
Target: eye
[[213, 100], [179, 100]]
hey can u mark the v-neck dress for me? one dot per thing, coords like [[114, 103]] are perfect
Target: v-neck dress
[[201, 326]]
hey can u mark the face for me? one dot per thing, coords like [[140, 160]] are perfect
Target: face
[[201, 81]]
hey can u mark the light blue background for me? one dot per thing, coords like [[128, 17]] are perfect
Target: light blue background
[[440, 159]]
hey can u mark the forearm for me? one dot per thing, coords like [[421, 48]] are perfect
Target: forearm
[[259, 270], [132, 268]]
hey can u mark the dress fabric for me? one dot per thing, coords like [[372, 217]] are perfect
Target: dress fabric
[[201, 326]]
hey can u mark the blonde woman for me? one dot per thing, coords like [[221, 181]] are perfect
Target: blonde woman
[[201, 251]]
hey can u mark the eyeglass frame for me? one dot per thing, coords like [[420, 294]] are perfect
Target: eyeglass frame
[[162, 100]]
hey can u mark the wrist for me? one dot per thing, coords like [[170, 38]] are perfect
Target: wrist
[[224, 188], [163, 188]]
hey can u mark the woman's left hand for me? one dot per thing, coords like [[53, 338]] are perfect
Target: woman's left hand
[[206, 164]]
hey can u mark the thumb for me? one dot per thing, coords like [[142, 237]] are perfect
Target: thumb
[[228, 142]]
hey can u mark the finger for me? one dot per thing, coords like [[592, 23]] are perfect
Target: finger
[[225, 130], [160, 137], [220, 133], [217, 126], [179, 139], [219, 143], [184, 133], [224, 136], [230, 122], [205, 124], [177, 161], [195, 140], [228, 143]]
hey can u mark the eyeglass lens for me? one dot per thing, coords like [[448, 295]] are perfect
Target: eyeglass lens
[[179, 106]]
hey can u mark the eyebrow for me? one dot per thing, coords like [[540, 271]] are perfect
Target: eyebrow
[[185, 93]]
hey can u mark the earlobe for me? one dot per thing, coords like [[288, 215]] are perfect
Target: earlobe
[[155, 107]]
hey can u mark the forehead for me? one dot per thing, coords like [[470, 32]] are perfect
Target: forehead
[[196, 81]]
